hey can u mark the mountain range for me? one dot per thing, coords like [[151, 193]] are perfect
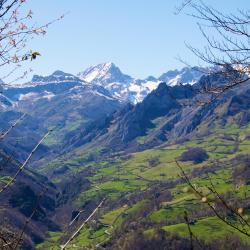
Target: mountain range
[[82, 109], [108, 76], [67, 102], [127, 88]]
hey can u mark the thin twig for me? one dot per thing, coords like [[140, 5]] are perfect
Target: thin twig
[[21, 168], [82, 225], [4, 134], [243, 231]]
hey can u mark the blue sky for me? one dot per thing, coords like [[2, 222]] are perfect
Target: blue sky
[[143, 37]]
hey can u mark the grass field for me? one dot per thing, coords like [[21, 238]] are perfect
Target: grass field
[[121, 177]]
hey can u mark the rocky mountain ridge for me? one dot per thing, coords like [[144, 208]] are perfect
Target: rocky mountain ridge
[[106, 76]]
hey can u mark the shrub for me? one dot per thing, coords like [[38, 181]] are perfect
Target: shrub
[[154, 161], [197, 155]]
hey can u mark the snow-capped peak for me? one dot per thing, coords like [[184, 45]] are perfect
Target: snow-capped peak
[[111, 78], [104, 73], [127, 88], [184, 76]]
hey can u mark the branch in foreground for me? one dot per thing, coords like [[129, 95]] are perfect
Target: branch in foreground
[[4, 134], [21, 168], [211, 206], [63, 247]]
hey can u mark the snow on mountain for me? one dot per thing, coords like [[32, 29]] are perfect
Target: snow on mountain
[[127, 88], [105, 73], [105, 76], [184, 76], [57, 77], [49, 87], [41, 87], [120, 85], [33, 96]]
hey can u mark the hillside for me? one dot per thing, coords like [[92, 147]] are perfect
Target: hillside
[[144, 193], [20, 201], [136, 173], [167, 114]]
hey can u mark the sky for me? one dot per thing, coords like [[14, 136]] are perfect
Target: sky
[[142, 37]]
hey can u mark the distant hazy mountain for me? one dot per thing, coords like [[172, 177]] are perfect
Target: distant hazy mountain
[[41, 86], [57, 76], [183, 76], [133, 90]]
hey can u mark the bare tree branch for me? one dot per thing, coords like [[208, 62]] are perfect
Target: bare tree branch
[[209, 203], [4, 134], [21, 168]]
